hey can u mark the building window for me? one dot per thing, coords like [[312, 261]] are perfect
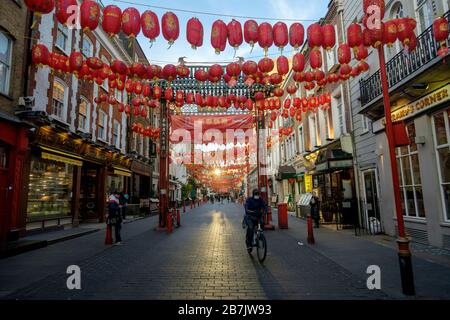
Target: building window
[[313, 131], [62, 37], [301, 139], [87, 47], [442, 143], [102, 125], [5, 62], [364, 123], [340, 115], [116, 134], [83, 112], [410, 180], [59, 100], [105, 83]]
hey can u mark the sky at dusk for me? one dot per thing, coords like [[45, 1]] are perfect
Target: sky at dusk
[[304, 11]]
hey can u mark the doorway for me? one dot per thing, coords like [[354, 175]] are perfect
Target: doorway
[[371, 210]]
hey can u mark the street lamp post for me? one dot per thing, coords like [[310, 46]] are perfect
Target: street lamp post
[[404, 252]]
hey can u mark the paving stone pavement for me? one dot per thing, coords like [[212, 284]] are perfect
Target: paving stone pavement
[[204, 259]]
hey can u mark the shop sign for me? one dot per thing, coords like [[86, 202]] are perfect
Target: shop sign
[[341, 164], [410, 110], [308, 183]]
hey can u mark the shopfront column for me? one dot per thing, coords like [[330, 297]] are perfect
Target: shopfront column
[[76, 196], [101, 205]]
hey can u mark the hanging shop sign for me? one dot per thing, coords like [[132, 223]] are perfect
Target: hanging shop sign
[[424, 104], [308, 183], [56, 155]]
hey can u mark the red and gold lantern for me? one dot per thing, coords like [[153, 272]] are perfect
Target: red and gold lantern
[[370, 6], [112, 20], [296, 35], [201, 75], [329, 37], [280, 35], [344, 54], [282, 65], [354, 35], [250, 68], [89, 15], [215, 73], [265, 36], [390, 33], [219, 34], [170, 27], [315, 35], [235, 36], [441, 33], [131, 22], [75, 62], [64, 10], [169, 72], [40, 7], [315, 59], [266, 65], [251, 32], [194, 33], [40, 55], [150, 25]]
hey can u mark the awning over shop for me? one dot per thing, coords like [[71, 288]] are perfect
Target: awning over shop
[[141, 168], [333, 159], [122, 172], [61, 156], [286, 172]]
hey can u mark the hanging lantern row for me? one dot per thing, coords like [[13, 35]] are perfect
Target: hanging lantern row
[[148, 131], [131, 22]]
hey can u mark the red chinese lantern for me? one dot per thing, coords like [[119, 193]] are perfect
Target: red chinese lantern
[[265, 36], [441, 33], [119, 67], [319, 75], [280, 35], [298, 62], [112, 20], [131, 22], [250, 68], [40, 7], [94, 63], [354, 35], [251, 32], [138, 70], [315, 59], [275, 79], [157, 92], [278, 92], [233, 70], [329, 37], [219, 34], [291, 89], [170, 27], [75, 62], [299, 77], [315, 35], [345, 71], [64, 10], [189, 98], [169, 72], [412, 43], [282, 65], [168, 94], [296, 35], [344, 54], [179, 97], [183, 72], [266, 65], [150, 25], [147, 90], [390, 33], [235, 36], [89, 15], [137, 88], [405, 30], [367, 38], [194, 33], [363, 66], [259, 96], [215, 73], [362, 53], [40, 55], [376, 36], [201, 75], [249, 104]]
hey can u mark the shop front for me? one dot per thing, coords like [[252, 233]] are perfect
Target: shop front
[[142, 186], [424, 168], [334, 183]]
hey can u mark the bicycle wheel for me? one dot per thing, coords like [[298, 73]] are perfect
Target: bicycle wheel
[[261, 247]]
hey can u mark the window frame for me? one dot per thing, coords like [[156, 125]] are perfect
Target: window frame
[[64, 103], [103, 126], [437, 148], [10, 45], [88, 108], [116, 135], [91, 53], [64, 31]]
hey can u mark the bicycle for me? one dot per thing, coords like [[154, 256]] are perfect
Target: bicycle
[[259, 242]]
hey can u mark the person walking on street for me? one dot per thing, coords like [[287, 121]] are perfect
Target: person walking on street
[[123, 201], [114, 217], [315, 214]]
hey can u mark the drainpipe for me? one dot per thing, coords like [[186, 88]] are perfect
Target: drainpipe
[[352, 134]]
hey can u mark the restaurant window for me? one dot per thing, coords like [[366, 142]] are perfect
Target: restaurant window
[[102, 125], [62, 37], [5, 63], [410, 179], [83, 113], [116, 134], [442, 144], [59, 100], [50, 188], [88, 48]]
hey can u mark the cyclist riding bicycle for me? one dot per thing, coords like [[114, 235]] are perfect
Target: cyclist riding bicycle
[[255, 207]]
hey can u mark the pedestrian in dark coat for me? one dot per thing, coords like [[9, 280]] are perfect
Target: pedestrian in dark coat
[[315, 214], [114, 218]]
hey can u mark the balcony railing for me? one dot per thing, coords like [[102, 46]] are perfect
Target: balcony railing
[[402, 66]]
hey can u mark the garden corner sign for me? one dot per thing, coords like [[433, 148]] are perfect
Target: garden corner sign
[[423, 104]]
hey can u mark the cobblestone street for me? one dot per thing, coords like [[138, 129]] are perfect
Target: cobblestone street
[[204, 259]]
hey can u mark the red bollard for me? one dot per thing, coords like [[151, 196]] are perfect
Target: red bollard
[[178, 218], [283, 216], [310, 230], [268, 220], [169, 222], [108, 239]]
